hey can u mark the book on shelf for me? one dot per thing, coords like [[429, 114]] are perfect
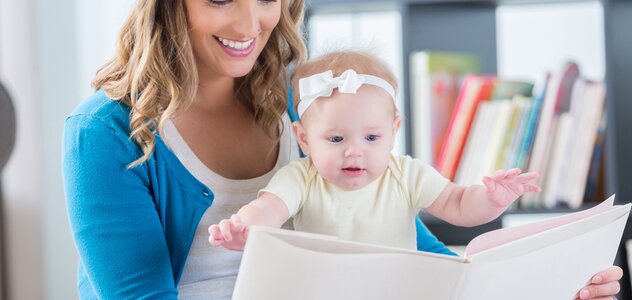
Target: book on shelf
[[523, 107], [435, 81], [473, 143], [594, 188], [523, 152], [484, 143], [492, 131], [549, 259], [475, 89], [568, 136], [555, 101], [507, 89], [586, 111]]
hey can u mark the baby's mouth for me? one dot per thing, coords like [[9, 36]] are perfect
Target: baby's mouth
[[353, 171]]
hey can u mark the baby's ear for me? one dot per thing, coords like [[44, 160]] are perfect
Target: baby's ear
[[397, 123], [301, 136]]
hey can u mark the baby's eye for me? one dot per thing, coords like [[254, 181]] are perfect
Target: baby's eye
[[336, 139], [372, 137]]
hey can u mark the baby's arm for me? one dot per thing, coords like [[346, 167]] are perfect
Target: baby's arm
[[478, 204], [267, 210]]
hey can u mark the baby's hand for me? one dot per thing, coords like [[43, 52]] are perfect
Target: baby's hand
[[506, 186], [230, 233]]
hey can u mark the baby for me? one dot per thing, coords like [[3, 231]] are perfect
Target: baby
[[350, 185]]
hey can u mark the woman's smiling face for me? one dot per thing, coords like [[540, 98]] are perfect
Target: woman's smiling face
[[227, 36]]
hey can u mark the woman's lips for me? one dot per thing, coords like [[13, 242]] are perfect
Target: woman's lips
[[236, 52]]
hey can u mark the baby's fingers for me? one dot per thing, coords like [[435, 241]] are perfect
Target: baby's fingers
[[502, 175], [215, 236], [225, 227], [511, 173], [524, 177], [530, 187], [237, 222], [489, 183]]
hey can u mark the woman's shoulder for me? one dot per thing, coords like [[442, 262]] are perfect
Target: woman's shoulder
[[99, 109]]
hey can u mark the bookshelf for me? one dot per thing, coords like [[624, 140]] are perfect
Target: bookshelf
[[470, 26]]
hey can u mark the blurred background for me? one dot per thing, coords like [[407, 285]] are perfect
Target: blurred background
[[50, 50]]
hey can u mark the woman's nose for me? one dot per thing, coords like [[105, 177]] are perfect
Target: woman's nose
[[247, 19]]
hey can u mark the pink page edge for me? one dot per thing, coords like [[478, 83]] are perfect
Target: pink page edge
[[502, 236]]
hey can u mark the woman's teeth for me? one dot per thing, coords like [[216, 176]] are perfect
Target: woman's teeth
[[237, 45]]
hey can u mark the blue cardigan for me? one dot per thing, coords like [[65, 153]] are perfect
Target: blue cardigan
[[133, 227]]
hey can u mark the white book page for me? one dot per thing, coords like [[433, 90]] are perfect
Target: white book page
[[279, 264], [553, 264], [502, 236]]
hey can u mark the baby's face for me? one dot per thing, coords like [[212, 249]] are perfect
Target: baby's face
[[349, 136]]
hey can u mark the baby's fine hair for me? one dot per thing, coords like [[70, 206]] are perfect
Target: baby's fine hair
[[339, 61]]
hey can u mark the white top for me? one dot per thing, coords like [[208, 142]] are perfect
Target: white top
[[210, 272], [383, 212]]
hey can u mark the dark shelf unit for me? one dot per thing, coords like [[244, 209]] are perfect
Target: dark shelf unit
[[470, 26]]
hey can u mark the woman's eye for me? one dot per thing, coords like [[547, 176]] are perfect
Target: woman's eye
[[371, 137], [335, 139], [218, 2]]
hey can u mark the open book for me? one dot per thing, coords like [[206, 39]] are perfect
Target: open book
[[551, 259]]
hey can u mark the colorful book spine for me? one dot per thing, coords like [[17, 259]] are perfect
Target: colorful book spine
[[475, 89]]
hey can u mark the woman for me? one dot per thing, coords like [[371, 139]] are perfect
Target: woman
[[187, 124]]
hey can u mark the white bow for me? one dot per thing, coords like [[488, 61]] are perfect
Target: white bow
[[323, 85]]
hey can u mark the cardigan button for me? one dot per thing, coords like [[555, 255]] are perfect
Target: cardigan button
[[205, 193]]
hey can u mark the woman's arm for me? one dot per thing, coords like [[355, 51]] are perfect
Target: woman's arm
[[113, 218]]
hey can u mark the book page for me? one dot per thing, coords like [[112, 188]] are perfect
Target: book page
[[553, 264], [505, 235], [281, 264]]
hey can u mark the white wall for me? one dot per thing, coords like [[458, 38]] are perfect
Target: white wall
[[23, 180], [57, 86], [49, 51], [536, 38]]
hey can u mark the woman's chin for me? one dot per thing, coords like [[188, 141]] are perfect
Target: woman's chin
[[240, 71]]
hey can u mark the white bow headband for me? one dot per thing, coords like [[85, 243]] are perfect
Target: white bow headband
[[323, 84]]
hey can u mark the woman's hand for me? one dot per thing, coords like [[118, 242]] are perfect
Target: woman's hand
[[230, 233], [604, 285]]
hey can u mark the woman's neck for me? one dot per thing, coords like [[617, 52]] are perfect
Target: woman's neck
[[215, 95]]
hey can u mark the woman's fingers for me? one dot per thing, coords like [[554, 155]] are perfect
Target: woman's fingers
[[594, 291], [603, 285], [614, 273]]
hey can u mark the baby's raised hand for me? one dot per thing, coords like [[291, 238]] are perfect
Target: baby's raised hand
[[230, 233], [506, 186]]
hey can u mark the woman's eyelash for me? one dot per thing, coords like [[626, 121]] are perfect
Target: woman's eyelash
[[224, 2], [218, 3]]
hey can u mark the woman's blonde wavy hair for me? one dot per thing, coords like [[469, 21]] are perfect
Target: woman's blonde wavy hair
[[154, 71]]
